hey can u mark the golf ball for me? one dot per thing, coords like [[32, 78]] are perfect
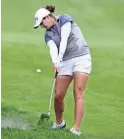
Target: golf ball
[[38, 70]]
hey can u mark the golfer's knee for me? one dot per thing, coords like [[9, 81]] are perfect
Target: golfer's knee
[[78, 89], [79, 92], [58, 97]]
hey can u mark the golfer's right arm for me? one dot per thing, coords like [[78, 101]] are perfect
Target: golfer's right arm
[[53, 52]]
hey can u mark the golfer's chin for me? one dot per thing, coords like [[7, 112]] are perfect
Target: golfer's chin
[[46, 27]]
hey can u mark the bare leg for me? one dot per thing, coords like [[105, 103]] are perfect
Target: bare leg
[[80, 80], [62, 83]]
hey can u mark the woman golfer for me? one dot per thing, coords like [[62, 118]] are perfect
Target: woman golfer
[[71, 59]]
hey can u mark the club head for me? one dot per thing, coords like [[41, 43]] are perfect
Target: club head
[[44, 117]]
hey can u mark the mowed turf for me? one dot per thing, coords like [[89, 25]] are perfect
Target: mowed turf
[[25, 93]]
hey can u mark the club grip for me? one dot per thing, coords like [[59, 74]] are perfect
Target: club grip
[[55, 74]]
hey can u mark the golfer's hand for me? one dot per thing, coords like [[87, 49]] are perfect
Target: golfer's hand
[[56, 67]]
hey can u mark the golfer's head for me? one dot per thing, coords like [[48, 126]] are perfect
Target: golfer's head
[[44, 17]]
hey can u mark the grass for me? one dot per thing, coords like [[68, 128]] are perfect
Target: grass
[[25, 93]]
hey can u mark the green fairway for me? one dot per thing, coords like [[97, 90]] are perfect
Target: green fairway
[[25, 93]]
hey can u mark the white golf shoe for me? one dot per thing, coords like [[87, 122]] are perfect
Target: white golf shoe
[[74, 131], [59, 126]]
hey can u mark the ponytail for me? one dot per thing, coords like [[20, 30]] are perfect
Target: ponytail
[[50, 8]]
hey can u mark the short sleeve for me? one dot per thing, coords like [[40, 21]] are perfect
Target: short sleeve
[[65, 18], [47, 38]]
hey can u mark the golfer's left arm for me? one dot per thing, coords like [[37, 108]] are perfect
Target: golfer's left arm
[[65, 32]]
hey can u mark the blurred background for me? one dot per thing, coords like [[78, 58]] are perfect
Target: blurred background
[[25, 93]]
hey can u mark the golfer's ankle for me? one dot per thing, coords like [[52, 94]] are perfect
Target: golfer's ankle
[[59, 121], [76, 127]]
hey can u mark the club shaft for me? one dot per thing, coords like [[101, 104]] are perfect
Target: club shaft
[[51, 95]]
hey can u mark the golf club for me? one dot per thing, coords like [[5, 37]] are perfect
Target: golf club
[[46, 116]]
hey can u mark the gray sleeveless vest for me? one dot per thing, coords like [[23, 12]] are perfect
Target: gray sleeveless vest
[[76, 45]]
